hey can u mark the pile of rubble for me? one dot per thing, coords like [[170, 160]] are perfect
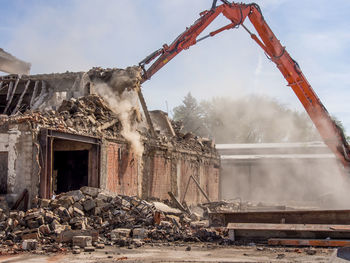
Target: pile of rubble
[[88, 115], [187, 141], [90, 218]]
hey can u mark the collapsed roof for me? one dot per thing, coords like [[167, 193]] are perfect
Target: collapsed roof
[[99, 103]]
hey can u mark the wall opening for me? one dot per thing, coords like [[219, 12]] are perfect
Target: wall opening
[[69, 162], [71, 169]]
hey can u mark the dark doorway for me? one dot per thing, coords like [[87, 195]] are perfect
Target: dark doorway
[[3, 172], [71, 170]]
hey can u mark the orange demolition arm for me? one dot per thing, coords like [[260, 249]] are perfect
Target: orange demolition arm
[[237, 13]]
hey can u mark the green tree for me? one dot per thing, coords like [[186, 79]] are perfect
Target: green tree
[[191, 115], [249, 119]]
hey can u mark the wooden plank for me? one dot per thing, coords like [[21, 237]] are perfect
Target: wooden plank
[[288, 227], [21, 98], [11, 96], [308, 242], [35, 90]]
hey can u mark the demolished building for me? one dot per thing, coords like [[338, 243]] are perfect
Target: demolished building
[[57, 135]]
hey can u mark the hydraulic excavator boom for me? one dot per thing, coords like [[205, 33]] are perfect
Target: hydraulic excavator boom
[[237, 13]]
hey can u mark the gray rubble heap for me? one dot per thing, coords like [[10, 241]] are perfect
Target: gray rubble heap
[[64, 222]]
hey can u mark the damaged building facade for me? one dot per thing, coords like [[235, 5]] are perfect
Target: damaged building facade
[[57, 134]]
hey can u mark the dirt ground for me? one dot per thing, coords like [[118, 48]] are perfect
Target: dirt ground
[[182, 253]]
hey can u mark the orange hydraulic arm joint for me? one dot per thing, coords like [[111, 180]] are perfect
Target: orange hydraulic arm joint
[[332, 135]]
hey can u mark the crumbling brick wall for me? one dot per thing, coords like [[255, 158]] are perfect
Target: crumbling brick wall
[[122, 170], [22, 169], [36, 102], [169, 171]]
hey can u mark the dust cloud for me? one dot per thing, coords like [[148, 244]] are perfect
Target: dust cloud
[[313, 179], [124, 104], [308, 175]]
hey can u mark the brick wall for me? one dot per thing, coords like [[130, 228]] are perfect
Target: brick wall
[[161, 179], [164, 172], [122, 170]]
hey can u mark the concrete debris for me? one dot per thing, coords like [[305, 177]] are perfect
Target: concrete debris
[[86, 116], [91, 116], [119, 79], [105, 219]]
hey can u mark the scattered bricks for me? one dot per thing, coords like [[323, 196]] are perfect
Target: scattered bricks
[[100, 203], [105, 197], [29, 244], [63, 213], [77, 212], [120, 232], [82, 241], [89, 204], [9, 222], [140, 233], [165, 224], [32, 224], [45, 229], [67, 235], [96, 220], [79, 222], [44, 203], [70, 211], [91, 191], [49, 217], [66, 201], [79, 206], [76, 194], [33, 215], [97, 211], [31, 234], [55, 225]]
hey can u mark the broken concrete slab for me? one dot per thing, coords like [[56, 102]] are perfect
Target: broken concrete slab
[[82, 241]]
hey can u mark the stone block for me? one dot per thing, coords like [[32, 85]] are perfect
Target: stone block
[[66, 201], [100, 202], [76, 194], [140, 233], [45, 229], [89, 204], [29, 244], [67, 235], [105, 196], [30, 234], [79, 206], [120, 233], [91, 191], [82, 241]]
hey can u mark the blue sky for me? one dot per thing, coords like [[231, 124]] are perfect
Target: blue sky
[[75, 35]]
